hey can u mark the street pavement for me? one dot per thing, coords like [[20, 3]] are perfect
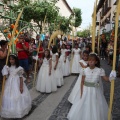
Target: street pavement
[[55, 106]]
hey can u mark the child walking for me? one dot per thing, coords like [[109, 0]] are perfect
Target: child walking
[[65, 62], [76, 90], [76, 58], [16, 102], [92, 104], [58, 76], [45, 80]]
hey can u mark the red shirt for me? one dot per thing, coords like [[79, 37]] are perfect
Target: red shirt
[[22, 54], [40, 55]]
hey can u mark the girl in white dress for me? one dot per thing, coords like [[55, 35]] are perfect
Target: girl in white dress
[[76, 90], [45, 80], [76, 58], [65, 62], [16, 101], [92, 104], [58, 76]]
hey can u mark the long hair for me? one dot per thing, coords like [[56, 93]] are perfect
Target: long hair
[[48, 57], [54, 49], [14, 56], [3, 42], [93, 55], [86, 52]]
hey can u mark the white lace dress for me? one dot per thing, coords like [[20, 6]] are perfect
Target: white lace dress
[[58, 76], [75, 94], [75, 62], [14, 103], [92, 105], [65, 65], [45, 83]]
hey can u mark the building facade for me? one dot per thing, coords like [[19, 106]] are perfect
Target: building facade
[[106, 11]]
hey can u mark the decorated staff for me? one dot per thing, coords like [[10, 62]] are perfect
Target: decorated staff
[[37, 52], [72, 48], [94, 26], [99, 37], [54, 35], [10, 44], [114, 58]]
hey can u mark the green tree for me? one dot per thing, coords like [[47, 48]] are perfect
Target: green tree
[[37, 12], [84, 33], [78, 17]]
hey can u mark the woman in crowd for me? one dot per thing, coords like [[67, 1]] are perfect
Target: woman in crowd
[[3, 55]]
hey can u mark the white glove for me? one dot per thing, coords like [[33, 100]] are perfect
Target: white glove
[[35, 57], [5, 70], [112, 75]]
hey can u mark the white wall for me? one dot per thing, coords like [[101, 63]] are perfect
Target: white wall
[[64, 10]]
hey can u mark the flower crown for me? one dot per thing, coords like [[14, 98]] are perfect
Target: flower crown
[[13, 54], [94, 53]]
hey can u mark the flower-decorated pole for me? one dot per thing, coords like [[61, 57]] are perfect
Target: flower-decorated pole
[[99, 38], [114, 59], [38, 51], [10, 44], [94, 26]]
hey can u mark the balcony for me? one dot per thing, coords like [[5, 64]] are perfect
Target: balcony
[[105, 9], [100, 4]]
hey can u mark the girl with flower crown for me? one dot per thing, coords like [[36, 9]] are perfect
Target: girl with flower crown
[[16, 102]]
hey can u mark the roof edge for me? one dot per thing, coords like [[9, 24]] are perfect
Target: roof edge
[[68, 6]]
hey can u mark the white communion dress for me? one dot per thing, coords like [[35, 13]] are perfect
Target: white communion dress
[[14, 103], [65, 65], [58, 76], [75, 94], [75, 62], [92, 105], [45, 82]]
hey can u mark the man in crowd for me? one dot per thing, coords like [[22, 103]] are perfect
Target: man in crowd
[[103, 49], [23, 49]]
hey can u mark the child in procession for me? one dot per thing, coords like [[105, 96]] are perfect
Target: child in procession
[[64, 61], [76, 58], [45, 79], [16, 101], [76, 90], [92, 104], [58, 76]]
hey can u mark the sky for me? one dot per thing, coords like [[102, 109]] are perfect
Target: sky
[[86, 7]]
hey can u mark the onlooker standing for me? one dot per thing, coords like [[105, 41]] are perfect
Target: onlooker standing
[[23, 48], [103, 49], [40, 53], [118, 58], [110, 49], [3, 55]]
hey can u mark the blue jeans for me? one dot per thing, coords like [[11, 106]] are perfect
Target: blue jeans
[[24, 63]]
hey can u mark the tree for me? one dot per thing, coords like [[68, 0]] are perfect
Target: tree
[[85, 33], [37, 12], [78, 18]]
